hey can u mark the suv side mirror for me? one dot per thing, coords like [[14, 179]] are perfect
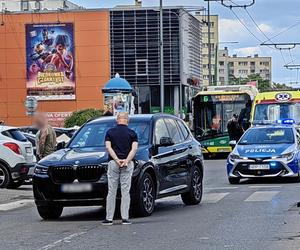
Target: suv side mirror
[[60, 145], [232, 143], [166, 141]]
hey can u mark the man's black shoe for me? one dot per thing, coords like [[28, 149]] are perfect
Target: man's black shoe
[[126, 222], [107, 223]]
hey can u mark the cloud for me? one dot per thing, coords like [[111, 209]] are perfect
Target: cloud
[[231, 30], [265, 28], [247, 51]]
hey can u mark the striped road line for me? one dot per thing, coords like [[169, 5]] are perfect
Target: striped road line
[[262, 196], [15, 205], [213, 197]]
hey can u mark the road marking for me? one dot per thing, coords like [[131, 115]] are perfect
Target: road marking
[[15, 205], [262, 196], [213, 197], [265, 186], [61, 241], [220, 188]]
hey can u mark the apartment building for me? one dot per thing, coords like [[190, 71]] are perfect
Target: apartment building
[[234, 68], [214, 36], [37, 5]]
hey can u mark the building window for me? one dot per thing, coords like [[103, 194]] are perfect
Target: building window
[[142, 67], [264, 63], [243, 63], [38, 5], [221, 63], [24, 5], [252, 63], [243, 71], [221, 71]]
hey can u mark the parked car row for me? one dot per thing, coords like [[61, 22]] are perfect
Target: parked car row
[[18, 153], [17, 158]]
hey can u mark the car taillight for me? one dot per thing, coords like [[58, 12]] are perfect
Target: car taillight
[[13, 146]]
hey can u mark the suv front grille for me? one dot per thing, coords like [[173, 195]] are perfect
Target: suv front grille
[[67, 174]]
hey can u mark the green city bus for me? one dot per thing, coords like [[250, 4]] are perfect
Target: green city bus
[[211, 111]]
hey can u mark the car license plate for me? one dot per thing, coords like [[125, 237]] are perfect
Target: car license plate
[[28, 150], [76, 188], [259, 167]]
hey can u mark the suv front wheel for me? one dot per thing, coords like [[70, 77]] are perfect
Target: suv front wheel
[[50, 212], [194, 196], [146, 196]]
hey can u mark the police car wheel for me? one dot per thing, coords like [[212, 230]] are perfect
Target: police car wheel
[[50, 212], [4, 177], [234, 180], [194, 196]]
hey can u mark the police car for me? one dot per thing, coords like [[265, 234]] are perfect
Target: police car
[[265, 151]]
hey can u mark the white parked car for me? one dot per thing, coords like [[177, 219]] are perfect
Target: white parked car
[[17, 160]]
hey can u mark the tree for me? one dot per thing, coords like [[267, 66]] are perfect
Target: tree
[[78, 118], [262, 84]]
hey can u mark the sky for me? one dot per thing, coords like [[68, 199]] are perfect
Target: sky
[[273, 17]]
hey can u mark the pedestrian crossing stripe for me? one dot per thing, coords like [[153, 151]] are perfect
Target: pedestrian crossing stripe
[[15, 205], [262, 196], [213, 197]]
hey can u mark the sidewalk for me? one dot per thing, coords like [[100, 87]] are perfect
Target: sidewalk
[[23, 192]]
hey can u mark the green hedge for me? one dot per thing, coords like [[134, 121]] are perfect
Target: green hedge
[[78, 118]]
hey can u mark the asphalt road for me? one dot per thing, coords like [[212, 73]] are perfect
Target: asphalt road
[[252, 215]]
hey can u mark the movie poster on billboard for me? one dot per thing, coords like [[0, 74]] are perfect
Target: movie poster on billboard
[[50, 61]]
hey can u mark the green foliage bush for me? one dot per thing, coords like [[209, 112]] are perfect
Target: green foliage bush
[[80, 117]]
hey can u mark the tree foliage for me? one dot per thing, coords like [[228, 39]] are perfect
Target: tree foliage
[[78, 118], [262, 84]]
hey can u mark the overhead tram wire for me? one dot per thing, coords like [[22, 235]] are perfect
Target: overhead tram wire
[[268, 38]]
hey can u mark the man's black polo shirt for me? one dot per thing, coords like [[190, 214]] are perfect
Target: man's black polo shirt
[[121, 138]]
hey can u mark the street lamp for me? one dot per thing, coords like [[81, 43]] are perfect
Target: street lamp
[[162, 93]]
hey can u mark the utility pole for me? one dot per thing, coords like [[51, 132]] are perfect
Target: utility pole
[[162, 92], [209, 43]]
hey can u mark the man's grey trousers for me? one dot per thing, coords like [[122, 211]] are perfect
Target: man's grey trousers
[[116, 175]]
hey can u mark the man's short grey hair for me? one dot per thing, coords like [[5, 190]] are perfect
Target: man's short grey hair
[[122, 115]]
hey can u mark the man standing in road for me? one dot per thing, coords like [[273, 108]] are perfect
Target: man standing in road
[[121, 144], [234, 129], [45, 137]]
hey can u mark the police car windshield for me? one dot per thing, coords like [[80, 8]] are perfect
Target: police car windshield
[[268, 136], [92, 135]]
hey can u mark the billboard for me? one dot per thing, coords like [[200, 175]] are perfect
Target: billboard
[[50, 61]]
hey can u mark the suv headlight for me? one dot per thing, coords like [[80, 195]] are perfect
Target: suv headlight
[[288, 156], [233, 157], [40, 170]]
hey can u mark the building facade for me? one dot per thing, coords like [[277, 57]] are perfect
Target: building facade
[[135, 54], [233, 68], [37, 5], [91, 47], [214, 40]]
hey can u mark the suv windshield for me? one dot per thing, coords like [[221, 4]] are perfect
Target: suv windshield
[[92, 135], [268, 136]]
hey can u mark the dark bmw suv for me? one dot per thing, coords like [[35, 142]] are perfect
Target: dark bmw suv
[[168, 162]]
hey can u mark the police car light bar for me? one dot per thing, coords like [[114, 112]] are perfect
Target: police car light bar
[[287, 121]]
